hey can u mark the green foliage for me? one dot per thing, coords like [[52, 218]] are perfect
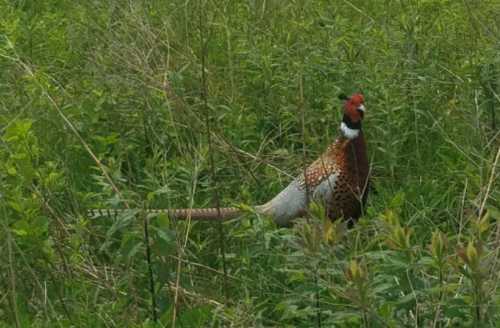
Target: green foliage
[[121, 81]]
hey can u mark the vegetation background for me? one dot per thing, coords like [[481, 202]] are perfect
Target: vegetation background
[[188, 103]]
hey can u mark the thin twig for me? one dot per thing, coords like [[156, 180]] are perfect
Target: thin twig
[[307, 187], [204, 97], [180, 250], [150, 268], [304, 146], [490, 183], [239, 279], [12, 278]]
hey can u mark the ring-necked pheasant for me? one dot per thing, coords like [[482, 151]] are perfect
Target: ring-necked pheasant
[[338, 179]]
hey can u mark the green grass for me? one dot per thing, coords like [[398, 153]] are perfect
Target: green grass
[[122, 80]]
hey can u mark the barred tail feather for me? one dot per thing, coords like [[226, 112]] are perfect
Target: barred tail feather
[[209, 214]]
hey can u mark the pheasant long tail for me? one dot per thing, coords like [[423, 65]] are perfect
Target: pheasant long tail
[[209, 214]]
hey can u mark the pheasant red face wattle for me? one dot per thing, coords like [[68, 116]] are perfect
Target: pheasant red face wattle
[[354, 107]]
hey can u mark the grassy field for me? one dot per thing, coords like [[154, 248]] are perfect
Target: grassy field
[[188, 103]]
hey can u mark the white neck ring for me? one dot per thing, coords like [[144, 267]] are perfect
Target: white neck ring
[[348, 132]]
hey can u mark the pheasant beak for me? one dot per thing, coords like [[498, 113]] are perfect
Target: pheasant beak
[[361, 110]]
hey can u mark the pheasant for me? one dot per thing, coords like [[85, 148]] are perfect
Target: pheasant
[[338, 179]]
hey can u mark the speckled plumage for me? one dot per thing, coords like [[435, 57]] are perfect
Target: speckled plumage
[[337, 179]]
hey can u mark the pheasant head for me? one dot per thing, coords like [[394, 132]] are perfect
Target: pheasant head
[[354, 111]]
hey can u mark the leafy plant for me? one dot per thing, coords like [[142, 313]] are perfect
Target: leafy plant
[[101, 105]]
